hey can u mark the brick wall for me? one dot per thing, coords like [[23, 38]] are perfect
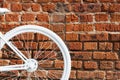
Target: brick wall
[[90, 28]]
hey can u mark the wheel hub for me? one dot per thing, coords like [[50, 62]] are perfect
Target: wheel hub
[[31, 65]]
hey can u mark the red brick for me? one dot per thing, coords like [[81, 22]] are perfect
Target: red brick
[[35, 7], [49, 7], [90, 46], [93, 7], [58, 27], [79, 27], [113, 75], [58, 74], [101, 17], [5, 5], [86, 18], [16, 7], [115, 37], [27, 1], [72, 1], [105, 55], [115, 17], [113, 27], [85, 27], [106, 65], [1, 54], [43, 1], [79, 7], [118, 0], [58, 1], [58, 18], [1, 1], [75, 45], [86, 7], [90, 1], [81, 55], [2, 18], [28, 17], [46, 64], [101, 26], [82, 75], [105, 7], [43, 17], [71, 37], [106, 1], [117, 65], [112, 56], [90, 65], [7, 27], [59, 64], [117, 46], [73, 74], [107, 27], [90, 75], [105, 46], [12, 17], [18, 44], [71, 18], [99, 55], [114, 7], [13, 0], [94, 37], [26, 6]]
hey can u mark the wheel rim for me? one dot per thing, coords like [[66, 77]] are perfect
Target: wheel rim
[[64, 76]]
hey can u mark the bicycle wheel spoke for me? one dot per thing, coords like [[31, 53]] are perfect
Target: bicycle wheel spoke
[[45, 48]]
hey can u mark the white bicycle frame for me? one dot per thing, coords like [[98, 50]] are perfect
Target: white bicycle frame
[[14, 67]]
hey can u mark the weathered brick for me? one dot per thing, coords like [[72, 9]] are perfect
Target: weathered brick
[[101, 17], [105, 46], [26, 6], [43, 17], [75, 45], [81, 55], [16, 7], [115, 37], [72, 1], [94, 37], [117, 46], [79, 27], [12, 17], [106, 1], [71, 18], [43, 1], [90, 65], [106, 65], [86, 18], [58, 18], [90, 74], [117, 65], [115, 17], [90, 1], [90, 46], [105, 55], [114, 8], [49, 7], [36, 7], [105, 7], [71, 37], [28, 17]]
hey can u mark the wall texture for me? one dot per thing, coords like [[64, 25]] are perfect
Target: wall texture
[[90, 28]]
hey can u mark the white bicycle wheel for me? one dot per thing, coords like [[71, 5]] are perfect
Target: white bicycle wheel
[[43, 45]]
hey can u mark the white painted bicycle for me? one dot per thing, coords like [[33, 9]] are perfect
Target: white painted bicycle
[[43, 54]]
